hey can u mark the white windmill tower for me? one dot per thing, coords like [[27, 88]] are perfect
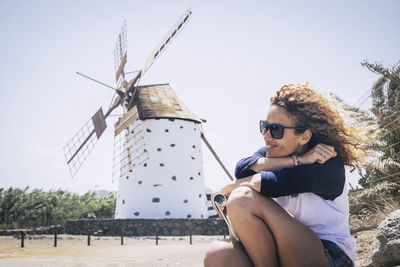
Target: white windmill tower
[[157, 151]]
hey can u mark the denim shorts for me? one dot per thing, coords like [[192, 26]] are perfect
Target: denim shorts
[[335, 255]]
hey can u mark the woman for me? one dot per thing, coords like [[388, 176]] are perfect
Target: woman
[[302, 169]]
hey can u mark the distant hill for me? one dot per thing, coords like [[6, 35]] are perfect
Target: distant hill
[[104, 193]]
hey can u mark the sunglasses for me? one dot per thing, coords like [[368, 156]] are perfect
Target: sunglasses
[[276, 130]]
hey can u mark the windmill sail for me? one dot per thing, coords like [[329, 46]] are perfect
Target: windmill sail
[[155, 54], [79, 147], [130, 149], [120, 53]]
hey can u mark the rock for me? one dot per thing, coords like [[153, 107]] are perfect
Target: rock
[[388, 234], [98, 233]]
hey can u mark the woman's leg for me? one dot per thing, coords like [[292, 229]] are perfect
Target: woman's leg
[[226, 253], [257, 219]]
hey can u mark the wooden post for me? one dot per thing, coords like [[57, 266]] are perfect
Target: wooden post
[[190, 233], [157, 239], [122, 237], [157, 235], [22, 239], [88, 239], [55, 238]]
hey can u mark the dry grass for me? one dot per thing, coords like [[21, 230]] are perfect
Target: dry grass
[[372, 205]]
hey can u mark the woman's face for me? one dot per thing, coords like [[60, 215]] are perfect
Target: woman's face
[[290, 142]]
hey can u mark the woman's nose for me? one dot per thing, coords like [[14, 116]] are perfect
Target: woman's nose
[[267, 135]]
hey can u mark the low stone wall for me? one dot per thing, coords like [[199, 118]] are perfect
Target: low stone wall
[[48, 230], [147, 227]]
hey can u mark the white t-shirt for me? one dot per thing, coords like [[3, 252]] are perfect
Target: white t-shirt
[[327, 218]]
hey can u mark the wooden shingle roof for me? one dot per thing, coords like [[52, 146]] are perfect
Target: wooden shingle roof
[[160, 101]]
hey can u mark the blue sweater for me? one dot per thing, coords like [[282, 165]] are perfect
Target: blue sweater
[[325, 180]]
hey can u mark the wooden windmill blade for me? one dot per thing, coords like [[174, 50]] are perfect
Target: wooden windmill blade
[[120, 53], [79, 147], [155, 54]]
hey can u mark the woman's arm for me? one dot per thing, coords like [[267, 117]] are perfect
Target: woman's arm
[[253, 181], [258, 162], [248, 170], [271, 164], [326, 180]]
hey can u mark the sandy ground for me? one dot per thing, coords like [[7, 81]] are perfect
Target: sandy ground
[[104, 251], [73, 250]]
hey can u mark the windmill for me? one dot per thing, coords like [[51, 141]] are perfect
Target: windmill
[[157, 150]]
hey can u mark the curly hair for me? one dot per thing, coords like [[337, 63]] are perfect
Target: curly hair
[[315, 112]]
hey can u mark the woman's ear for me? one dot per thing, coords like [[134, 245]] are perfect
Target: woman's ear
[[305, 138]]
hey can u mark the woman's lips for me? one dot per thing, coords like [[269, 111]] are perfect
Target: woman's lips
[[269, 147]]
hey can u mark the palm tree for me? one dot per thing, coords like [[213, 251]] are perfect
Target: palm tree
[[385, 92]]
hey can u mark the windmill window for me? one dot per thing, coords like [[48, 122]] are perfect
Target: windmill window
[[210, 208], [199, 173], [172, 145], [140, 182], [202, 216], [155, 200], [127, 177], [145, 165], [155, 185], [148, 130], [191, 178], [132, 132], [185, 201], [194, 129], [193, 158], [199, 195], [181, 127], [194, 146], [136, 213], [158, 149], [162, 165], [167, 213], [189, 216], [173, 178], [123, 201], [166, 130]]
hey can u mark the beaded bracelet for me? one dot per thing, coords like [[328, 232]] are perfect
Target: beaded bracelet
[[296, 160]]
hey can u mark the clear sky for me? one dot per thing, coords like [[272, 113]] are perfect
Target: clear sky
[[225, 65]]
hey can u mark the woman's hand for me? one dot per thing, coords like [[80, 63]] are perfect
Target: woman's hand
[[319, 153]]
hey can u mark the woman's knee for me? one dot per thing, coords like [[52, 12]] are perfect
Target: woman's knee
[[218, 253], [226, 253], [242, 198]]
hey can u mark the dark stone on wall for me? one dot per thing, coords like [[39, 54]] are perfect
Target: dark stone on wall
[[147, 227]]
